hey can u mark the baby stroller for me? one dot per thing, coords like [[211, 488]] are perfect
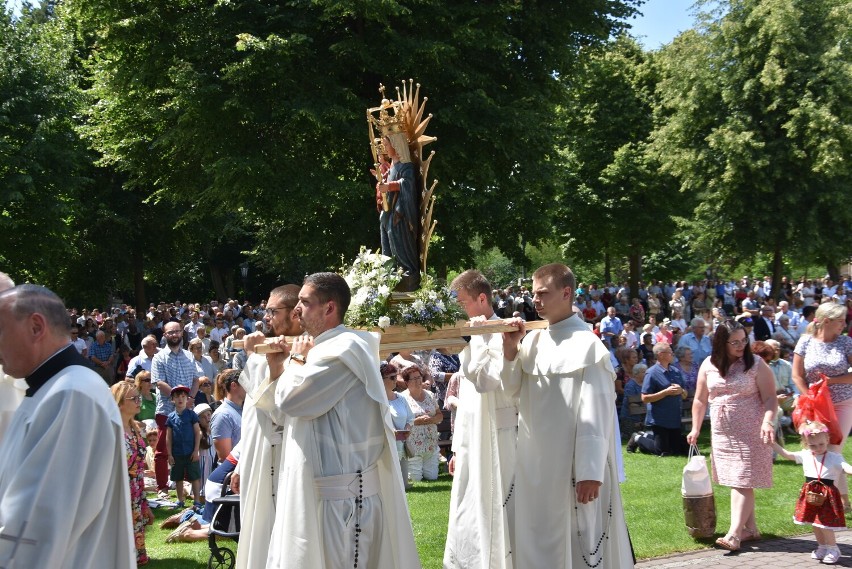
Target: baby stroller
[[225, 523]]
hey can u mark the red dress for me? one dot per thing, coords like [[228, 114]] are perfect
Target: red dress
[[829, 515]]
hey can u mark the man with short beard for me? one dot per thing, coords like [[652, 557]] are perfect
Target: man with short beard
[[170, 367], [255, 478]]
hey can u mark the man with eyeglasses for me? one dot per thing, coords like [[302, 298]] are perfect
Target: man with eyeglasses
[[64, 496], [342, 498], [79, 342], [255, 478], [170, 367]]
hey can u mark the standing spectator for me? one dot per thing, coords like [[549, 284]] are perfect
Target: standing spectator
[[401, 415], [219, 332], [764, 325], [142, 362], [203, 366], [687, 367], [423, 440], [183, 440], [663, 391], [147, 404], [226, 425], [611, 327], [170, 368], [637, 313], [129, 405], [741, 392], [823, 350], [78, 342], [697, 341]]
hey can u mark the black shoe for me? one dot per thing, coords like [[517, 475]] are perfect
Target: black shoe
[[633, 443]]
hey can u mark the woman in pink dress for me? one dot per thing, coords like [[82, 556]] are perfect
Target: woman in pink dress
[[741, 392]]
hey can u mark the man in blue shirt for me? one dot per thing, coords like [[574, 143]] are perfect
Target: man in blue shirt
[[697, 341], [611, 327], [663, 390]]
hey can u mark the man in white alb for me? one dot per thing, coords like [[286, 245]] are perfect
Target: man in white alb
[[64, 495], [255, 477], [568, 510], [11, 389], [486, 426], [340, 498]]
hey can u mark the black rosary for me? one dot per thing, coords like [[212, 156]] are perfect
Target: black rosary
[[359, 505], [604, 533]]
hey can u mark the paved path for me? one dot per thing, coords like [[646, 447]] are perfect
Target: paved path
[[765, 554]]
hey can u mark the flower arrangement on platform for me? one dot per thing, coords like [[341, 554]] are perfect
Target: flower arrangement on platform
[[372, 279]]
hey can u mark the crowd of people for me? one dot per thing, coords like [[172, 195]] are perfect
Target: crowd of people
[[192, 410]]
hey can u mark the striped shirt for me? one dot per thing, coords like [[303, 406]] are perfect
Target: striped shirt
[[175, 368]]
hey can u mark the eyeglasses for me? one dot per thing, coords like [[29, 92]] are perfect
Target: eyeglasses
[[172, 332], [738, 343], [144, 381], [271, 311], [420, 377], [135, 399]]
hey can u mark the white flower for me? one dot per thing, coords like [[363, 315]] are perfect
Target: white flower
[[433, 295], [418, 305], [361, 296], [384, 321], [440, 305], [384, 290]]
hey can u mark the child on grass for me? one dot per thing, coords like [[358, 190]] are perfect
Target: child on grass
[[822, 468], [183, 437]]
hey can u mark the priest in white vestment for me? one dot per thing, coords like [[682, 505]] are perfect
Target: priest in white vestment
[[64, 493], [255, 478], [568, 510], [11, 389], [483, 464], [341, 502]]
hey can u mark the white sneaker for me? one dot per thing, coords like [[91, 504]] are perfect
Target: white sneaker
[[832, 555], [818, 553]]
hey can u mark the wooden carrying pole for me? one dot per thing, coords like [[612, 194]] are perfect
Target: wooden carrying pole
[[398, 338]]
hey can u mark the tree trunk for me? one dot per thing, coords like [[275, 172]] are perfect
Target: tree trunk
[[833, 272], [220, 284], [635, 269], [139, 284], [777, 265]]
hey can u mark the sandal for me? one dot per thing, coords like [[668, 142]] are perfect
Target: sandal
[[750, 535], [729, 543]]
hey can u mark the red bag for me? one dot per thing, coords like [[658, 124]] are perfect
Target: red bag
[[817, 406]]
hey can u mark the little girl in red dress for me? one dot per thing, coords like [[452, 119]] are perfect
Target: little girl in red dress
[[819, 503]]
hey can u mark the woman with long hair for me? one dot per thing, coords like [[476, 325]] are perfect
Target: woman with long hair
[[148, 406], [741, 392], [129, 403]]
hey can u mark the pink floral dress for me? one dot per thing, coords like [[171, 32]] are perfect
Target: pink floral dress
[[135, 447], [740, 457]]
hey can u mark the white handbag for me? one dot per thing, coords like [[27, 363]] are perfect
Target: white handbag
[[696, 477]]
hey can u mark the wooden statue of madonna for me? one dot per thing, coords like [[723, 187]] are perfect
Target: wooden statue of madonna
[[405, 219]]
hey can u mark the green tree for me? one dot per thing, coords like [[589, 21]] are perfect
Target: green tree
[[43, 165], [258, 108], [755, 123], [614, 200]]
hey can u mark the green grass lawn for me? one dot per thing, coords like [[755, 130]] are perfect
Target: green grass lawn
[[652, 503]]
